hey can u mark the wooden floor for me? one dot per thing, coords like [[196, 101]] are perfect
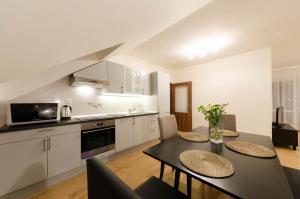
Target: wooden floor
[[134, 168]]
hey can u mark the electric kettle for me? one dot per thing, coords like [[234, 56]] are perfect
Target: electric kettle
[[66, 112]]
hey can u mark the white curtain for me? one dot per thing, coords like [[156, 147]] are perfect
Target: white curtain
[[286, 93]]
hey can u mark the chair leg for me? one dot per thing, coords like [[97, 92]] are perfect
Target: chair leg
[[189, 185], [162, 168], [177, 178]]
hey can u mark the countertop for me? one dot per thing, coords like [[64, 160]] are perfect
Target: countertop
[[6, 129]]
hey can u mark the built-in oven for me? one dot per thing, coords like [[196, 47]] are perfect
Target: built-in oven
[[97, 137]]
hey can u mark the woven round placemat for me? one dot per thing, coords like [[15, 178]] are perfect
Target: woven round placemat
[[206, 163], [250, 149], [228, 133], [193, 136]]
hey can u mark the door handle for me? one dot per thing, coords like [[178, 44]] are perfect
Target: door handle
[[44, 144], [48, 144]]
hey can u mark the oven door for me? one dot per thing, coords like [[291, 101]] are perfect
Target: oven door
[[97, 141]]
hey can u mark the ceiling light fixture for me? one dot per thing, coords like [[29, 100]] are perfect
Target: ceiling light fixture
[[202, 48]]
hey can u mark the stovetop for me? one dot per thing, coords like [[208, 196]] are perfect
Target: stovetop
[[93, 117]]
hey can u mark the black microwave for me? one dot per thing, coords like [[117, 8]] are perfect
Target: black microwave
[[28, 113]]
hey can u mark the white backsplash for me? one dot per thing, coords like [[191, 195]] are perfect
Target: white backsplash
[[86, 101]]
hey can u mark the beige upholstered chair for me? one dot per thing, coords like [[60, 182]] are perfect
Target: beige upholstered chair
[[229, 122], [167, 127]]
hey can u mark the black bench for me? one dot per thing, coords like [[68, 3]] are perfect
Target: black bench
[[284, 134]]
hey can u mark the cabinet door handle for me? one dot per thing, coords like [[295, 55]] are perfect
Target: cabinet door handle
[[45, 130], [122, 89], [44, 144], [48, 144]]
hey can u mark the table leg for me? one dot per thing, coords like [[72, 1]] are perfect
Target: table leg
[[177, 177], [162, 168], [294, 147], [189, 185]]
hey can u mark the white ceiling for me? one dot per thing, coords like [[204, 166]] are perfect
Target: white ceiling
[[249, 24], [37, 35]]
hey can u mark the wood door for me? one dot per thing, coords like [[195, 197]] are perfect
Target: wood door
[[181, 105]]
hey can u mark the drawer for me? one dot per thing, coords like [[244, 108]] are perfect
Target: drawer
[[37, 133]]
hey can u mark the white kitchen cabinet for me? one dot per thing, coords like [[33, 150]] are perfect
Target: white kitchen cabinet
[[31, 156], [128, 80], [160, 86], [140, 129], [115, 76], [145, 84], [134, 131], [124, 133], [137, 88], [63, 153], [22, 163], [153, 127], [97, 71]]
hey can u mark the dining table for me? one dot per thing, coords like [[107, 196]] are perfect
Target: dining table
[[253, 177]]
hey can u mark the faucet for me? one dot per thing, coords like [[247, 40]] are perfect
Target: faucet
[[131, 109]]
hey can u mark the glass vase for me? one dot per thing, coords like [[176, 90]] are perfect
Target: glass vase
[[216, 133]]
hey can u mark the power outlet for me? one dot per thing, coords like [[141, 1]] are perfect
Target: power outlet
[[68, 101]]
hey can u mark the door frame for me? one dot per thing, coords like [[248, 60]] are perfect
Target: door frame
[[172, 102]]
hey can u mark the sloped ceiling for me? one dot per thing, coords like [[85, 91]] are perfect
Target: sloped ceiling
[[36, 36], [249, 25]]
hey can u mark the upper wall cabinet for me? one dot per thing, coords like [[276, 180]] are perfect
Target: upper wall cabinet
[[128, 80], [115, 76], [123, 79], [119, 78], [97, 71], [146, 84], [160, 86], [137, 88]]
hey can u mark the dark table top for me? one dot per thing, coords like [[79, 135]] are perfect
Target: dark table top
[[6, 129], [253, 177]]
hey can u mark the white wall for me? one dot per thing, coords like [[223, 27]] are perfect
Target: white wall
[[243, 81], [85, 101]]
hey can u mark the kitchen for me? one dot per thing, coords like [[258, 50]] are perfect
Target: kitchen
[[99, 111], [149, 99]]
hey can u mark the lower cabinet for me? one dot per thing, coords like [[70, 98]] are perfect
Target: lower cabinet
[[63, 153], [22, 163], [133, 131], [140, 129], [124, 133], [25, 162]]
